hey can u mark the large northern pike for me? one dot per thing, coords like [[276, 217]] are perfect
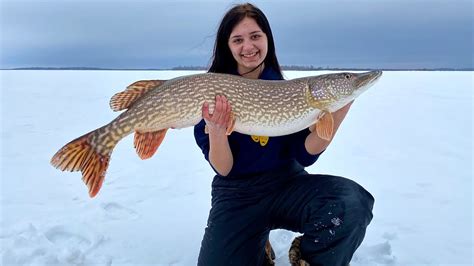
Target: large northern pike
[[259, 107]]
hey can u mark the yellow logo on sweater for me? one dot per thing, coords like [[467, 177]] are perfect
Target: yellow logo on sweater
[[263, 140]]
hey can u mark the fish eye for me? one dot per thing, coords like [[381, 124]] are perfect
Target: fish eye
[[348, 76]]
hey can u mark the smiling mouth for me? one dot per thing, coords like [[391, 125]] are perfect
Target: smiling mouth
[[250, 55]]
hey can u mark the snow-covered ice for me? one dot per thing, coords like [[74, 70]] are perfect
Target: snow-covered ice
[[408, 140]]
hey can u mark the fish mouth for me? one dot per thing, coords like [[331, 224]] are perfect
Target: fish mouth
[[366, 79]]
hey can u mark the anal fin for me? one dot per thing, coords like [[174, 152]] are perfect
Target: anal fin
[[146, 143]]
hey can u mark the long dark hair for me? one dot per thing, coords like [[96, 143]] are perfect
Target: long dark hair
[[222, 59]]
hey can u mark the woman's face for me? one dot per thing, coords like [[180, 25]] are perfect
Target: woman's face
[[248, 44]]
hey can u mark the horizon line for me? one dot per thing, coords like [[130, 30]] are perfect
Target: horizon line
[[283, 67]]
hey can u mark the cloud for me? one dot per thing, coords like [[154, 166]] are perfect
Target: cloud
[[169, 33]]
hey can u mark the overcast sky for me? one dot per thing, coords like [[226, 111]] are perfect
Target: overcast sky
[[163, 34]]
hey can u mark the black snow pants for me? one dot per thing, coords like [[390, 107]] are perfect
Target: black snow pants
[[332, 212]]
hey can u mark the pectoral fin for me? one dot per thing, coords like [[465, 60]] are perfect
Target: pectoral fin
[[146, 143], [325, 126]]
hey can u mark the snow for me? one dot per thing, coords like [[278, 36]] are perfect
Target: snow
[[408, 140]]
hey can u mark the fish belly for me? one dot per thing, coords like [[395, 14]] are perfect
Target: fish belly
[[292, 126]]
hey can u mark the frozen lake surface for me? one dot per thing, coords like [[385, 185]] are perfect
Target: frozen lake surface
[[408, 140]]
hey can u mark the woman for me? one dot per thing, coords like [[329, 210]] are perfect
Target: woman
[[261, 183]]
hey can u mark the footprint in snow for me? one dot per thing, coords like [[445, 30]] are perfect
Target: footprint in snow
[[116, 211], [378, 254], [60, 236], [70, 244]]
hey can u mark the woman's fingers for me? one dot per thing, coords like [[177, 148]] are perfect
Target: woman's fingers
[[222, 112], [221, 109], [205, 111], [228, 112], [218, 108]]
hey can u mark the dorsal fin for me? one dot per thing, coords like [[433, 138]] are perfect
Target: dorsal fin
[[134, 91]]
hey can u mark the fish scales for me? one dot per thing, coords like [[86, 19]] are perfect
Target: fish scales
[[254, 102]]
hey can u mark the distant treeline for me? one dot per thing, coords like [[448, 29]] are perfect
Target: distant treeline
[[313, 68], [284, 67]]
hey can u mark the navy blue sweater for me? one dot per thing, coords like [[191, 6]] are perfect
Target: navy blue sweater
[[250, 156]]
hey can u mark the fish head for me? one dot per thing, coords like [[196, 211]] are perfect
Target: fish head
[[331, 92]]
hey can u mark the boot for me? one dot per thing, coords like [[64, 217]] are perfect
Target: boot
[[295, 253], [269, 254]]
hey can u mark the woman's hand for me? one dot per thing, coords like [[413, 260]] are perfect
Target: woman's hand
[[220, 119], [220, 155], [314, 144], [340, 114]]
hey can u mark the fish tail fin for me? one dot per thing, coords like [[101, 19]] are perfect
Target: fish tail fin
[[82, 155]]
